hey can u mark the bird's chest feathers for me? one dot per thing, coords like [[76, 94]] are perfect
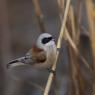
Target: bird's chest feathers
[[51, 53]]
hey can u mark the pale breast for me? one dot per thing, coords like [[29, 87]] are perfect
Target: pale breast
[[51, 57]]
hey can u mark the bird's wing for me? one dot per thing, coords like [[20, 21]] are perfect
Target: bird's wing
[[34, 56], [37, 56]]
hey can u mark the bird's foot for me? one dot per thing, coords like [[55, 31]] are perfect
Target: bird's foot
[[52, 71]]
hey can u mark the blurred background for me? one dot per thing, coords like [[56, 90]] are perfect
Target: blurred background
[[20, 25]]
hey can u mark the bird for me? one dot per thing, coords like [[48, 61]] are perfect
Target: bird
[[42, 55]]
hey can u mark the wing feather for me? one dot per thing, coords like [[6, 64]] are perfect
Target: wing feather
[[37, 56]]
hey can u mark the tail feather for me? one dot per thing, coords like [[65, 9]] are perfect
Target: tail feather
[[16, 62]]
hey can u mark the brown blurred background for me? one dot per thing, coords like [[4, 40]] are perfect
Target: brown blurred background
[[19, 29]]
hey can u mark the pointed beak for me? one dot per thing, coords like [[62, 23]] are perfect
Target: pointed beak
[[17, 62]]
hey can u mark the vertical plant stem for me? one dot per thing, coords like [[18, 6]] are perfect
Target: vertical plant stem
[[39, 15], [76, 90], [73, 56], [74, 73], [74, 59], [71, 16], [50, 78], [79, 16], [89, 7], [63, 23], [61, 8]]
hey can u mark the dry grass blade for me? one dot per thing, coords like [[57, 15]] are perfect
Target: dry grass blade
[[72, 23], [78, 16], [89, 7], [74, 72], [72, 60], [74, 66], [63, 24], [93, 14], [76, 50], [61, 7], [39, 15], [79, 8], [50, 79]]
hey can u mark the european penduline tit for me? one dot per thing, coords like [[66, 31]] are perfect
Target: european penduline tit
[[41, 56]]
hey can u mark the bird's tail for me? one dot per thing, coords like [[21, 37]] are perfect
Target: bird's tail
[[26, 60], [17, 62]]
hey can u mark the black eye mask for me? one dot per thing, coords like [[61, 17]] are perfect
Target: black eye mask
[[46, 40]]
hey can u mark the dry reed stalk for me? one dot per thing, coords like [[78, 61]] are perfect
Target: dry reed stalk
[[50, 78], [61, 8], [79, 12], [76, 36], [75, 80], [63, 23], [78, 16], [74, 72], [39, 15], [89, 7], [74, 90], [72, 55], [71, 16], [76, 50], [74, 46], [93, 13]]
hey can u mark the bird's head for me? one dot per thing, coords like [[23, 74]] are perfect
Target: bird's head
[[45, 40]]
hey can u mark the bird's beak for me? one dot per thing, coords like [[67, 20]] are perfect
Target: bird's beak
[[17, 62]]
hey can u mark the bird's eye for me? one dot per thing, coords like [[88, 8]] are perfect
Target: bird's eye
[[46, 40]]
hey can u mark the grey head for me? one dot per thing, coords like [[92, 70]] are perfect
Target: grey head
[[45, 40]]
